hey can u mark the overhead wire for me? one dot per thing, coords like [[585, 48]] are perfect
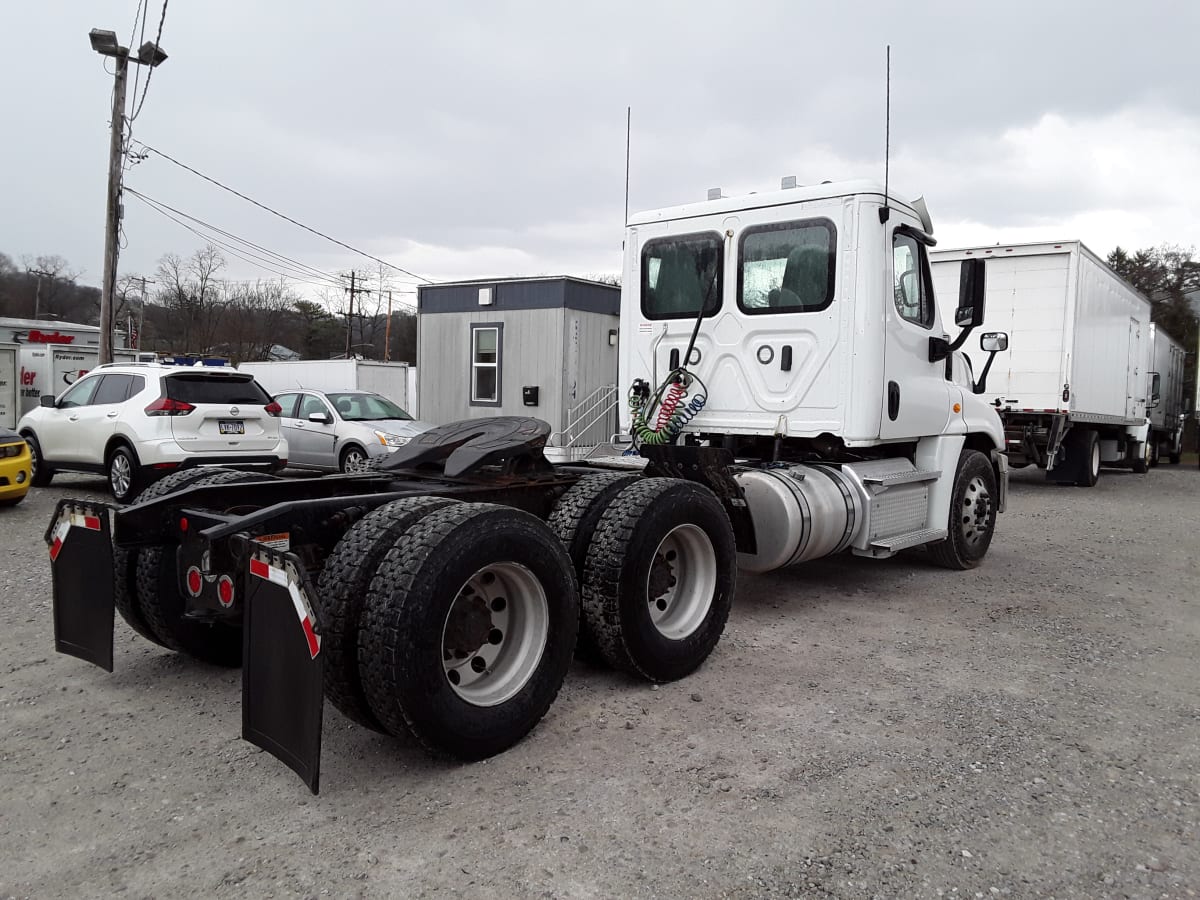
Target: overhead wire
[[281, 265], [287, 261], [162, 18], [286, 218], [240, 252]]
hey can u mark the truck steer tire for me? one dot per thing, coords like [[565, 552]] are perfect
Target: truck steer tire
[[1141, 465], [125, 561], [162, 606], [1173, 458], [972, 520], [659, 578], [468, 629], [343, 585], [574, 519]]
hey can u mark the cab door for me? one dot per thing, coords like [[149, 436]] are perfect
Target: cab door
[[916, 394], [57, 430]]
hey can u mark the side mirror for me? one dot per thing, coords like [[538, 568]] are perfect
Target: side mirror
[[993, 342], [47, 400], [971, 290], [322, 418]]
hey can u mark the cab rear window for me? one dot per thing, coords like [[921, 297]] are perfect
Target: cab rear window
[[197, 389], [680, 273]]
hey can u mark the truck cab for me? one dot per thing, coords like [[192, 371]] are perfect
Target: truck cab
[[817, 317]]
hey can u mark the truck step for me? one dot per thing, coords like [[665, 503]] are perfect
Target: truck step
[[903, 477], [912, 539]]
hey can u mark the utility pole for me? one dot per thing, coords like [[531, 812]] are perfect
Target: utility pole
[[350, 314], [142, 312], [387, 332], [112, 217], [37, 294], [149, 54]]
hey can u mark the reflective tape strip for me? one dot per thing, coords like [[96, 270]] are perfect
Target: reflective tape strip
[[60, 534], [304, 613]]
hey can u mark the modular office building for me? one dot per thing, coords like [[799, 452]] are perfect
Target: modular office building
[[541, 347]]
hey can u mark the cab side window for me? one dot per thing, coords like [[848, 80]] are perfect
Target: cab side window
[[80, 393], [910, 282]]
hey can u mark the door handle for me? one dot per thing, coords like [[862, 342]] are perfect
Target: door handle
[[74, 418], [893, 400], [112, 415], [674, 359], [785, 358]]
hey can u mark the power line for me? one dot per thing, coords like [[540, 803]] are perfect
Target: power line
[[162, 18], [275, 212], [245, 255], [281, 259], [142, 7]]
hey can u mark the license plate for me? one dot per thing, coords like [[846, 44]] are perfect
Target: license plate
[[232, 426]]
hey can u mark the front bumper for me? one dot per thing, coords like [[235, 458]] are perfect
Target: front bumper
[[15, 475]]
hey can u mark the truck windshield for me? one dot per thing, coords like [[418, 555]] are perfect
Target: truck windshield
[[365, 407], [679, 273], [787, 267]]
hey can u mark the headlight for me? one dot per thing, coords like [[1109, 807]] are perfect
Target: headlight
[[391, 440], [17, 450]]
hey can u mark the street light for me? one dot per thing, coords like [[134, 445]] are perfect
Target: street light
[[106, 44]]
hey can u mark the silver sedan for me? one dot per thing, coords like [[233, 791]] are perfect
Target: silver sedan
[[341, 431]]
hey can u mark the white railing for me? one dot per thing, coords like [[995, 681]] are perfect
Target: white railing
[[589, 423]]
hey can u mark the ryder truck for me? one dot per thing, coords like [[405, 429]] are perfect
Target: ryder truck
[[792, 393]]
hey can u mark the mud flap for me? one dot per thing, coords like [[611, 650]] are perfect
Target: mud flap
[[81, 554], [282, 669]]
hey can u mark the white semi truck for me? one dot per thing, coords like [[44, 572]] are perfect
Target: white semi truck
[[792, 393], [1072, 392], [1165, 397]]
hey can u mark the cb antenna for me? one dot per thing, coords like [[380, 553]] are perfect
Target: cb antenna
[[628, 130], [885, 212]]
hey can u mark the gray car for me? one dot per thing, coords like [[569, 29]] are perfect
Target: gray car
[[341, 431]]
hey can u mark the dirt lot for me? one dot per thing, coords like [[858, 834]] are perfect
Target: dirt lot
[[863, 730]]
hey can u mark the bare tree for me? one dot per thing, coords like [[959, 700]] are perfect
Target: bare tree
[[193, 297], [254, 318]]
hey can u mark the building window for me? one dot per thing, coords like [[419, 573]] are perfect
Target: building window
[[485, 364]]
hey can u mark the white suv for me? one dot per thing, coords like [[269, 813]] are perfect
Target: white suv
[[135, 421]]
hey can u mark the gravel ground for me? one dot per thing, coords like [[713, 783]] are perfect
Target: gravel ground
[[864, 729]]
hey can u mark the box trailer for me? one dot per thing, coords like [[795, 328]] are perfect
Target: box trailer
[[1165, 393], [395, 380], [1072, 390]]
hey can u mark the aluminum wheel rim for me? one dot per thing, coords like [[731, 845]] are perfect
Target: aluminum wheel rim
[[976, 511], [120, 474], [34, 462], [495, 634], [355, 460], [682, 582]]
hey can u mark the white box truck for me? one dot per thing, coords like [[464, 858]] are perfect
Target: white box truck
[[1165, 392], [395, 380], [1072, 389]]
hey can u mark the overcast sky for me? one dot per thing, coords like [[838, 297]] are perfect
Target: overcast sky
[[488, 139]]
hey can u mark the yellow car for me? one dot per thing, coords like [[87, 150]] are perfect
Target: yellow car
[[15, 472]]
